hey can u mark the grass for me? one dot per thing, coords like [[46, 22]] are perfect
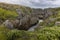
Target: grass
[[48, 32], [7, 14]]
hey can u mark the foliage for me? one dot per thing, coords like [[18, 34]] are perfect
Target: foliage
[[58, 16], [20, 35], [7, 14], [4, 28], [3, 32], [48, 32], [3, 35]]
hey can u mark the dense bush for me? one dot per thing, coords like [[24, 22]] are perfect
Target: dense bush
[[3, 35], [21, 35], [47, 33], [3, 32], [4, 28], [7, 14], [58, 16]]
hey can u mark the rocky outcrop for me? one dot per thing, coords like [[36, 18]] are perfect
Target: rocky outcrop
[[36, 26], [23, 24], [25, 21]]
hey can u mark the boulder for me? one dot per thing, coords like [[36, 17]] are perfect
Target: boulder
[[27, 22], [8, 24], [57, 23]]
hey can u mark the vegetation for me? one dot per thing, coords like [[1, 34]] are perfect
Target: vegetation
[[47, 33], [50, 31], [6, 14]]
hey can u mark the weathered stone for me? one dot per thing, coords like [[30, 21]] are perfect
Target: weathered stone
[[20, 13], [23, 24], [27, 22], [8, 24], [57, 23], [35, 26]]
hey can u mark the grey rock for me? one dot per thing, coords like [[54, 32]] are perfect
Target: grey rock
[[35, 26], [20, 14], [8, 24], [27, 22], [57, 23]]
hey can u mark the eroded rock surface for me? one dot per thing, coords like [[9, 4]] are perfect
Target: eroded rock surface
[[25, 21]]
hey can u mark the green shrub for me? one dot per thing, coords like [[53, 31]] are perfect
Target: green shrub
[[3, 28], [21, 35], [3, 35], [7, 14], [47, 33], [3, 32]]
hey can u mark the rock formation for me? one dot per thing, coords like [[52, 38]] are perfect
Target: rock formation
[[26, 21], [27, 17], [23, 24], [8, 24]]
